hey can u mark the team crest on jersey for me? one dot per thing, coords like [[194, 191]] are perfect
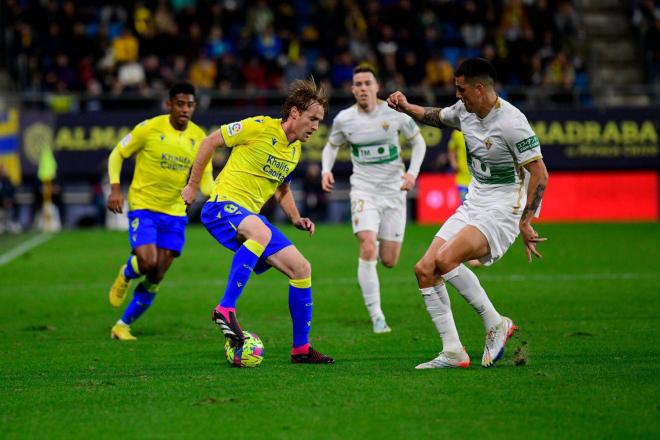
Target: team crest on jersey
[[192, 143], [488, 143], [386, 126], [234, 128], [126, 140], [162, 137]]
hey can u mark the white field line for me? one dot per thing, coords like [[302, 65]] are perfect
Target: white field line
[[24, 247], [220, 282]]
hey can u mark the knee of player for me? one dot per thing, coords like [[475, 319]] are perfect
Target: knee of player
[[302, 269], [389, 261], [446, 262], [368, 250], [147, 264], [424, 269], [262, 237]]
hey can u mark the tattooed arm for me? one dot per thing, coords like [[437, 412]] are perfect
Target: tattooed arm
[[425, 115], [538, 180]]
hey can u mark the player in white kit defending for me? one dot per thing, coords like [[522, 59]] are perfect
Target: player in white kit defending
[[379, 181], [508, 182]]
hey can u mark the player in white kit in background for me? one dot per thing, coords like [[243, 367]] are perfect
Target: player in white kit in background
[[508, 182], [379, 182]]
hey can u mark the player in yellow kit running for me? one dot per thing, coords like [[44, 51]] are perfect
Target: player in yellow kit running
[[265, 151], [164, 147]]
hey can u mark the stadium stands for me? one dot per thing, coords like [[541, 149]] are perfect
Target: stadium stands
[[142, 47]]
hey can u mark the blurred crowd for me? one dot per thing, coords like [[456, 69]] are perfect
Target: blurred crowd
[[234, 45], [645, 17]]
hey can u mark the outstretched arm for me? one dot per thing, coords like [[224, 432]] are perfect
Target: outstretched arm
[[538, 181], [425, 115], [284, 197], [206, 149]]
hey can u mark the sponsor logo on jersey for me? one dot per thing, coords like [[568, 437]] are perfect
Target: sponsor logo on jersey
[[126, 140], [277, 169], [527, 144], [234, 128]]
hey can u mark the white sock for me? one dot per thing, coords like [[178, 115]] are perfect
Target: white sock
[[370, 286], [467, 284], [439, 308]]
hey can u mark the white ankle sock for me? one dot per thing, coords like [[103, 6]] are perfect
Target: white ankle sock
[[370, 286], [439, 308], [467, 284]]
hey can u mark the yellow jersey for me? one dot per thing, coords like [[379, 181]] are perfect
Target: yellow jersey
[[261, 160], [457, 143], [163, 157]]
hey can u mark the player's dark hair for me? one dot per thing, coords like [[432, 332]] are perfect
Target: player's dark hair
[[477, 69], [302, 94], [182, 87], [364, 68]]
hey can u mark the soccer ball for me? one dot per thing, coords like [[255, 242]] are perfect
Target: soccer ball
[[250, 355]]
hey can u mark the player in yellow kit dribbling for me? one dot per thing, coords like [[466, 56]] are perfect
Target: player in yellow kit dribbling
[[165, 147], [265, 151]]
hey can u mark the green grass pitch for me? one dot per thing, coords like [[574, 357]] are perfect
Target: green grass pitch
[[588, 312]]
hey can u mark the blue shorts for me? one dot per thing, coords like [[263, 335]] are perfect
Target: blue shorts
[[222, 218], [163, 230]]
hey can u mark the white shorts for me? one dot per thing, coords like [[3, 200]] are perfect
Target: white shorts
[[386, 216], [497, 222]]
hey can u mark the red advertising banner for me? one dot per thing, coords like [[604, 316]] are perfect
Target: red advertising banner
[[574, 197]]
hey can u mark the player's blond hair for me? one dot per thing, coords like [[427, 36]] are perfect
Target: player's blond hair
[[302, 94]]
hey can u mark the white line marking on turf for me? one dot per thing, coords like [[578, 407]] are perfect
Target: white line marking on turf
[[24, 247], [220, 282]]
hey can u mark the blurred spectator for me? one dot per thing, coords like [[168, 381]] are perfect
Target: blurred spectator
[[203, 72], [439, 72], [513, 20], [472, 30], [125, 48], [216, 46], [130, 77], [568, 25], [560, 75], [296, 70]]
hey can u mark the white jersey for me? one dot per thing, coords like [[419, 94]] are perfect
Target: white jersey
[[497, 148], [375, 150]]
